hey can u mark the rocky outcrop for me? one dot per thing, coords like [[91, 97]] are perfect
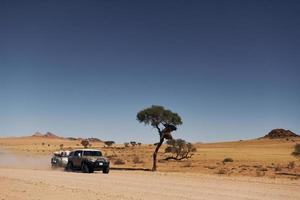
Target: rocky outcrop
[[280, 133]]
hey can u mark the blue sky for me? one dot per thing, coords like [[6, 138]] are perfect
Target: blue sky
[[85, 68]]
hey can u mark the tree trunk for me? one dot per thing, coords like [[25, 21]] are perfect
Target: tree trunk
[[156, 151]]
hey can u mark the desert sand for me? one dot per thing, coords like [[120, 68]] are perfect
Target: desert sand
[[258, 157], [45, 184], [261, 169]]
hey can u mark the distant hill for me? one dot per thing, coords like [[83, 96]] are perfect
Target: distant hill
[[38, 134], [47, 135], [280, 133]]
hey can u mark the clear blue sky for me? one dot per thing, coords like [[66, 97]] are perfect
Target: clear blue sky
[[85, 68]]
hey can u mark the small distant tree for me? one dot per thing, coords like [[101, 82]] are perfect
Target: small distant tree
[[165, 121], [126, 144], [85, 143], [296, 150], [180, 149], [109, 143], [133, 143], [139, 143]]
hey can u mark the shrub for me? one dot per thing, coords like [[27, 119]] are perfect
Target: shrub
[[222, 171], [227, 160], [179, 149], [119, 161], [291, 165], [260, 173], [187, 164], [61, 146], [133, 143], [278, 168], [109, 143], [137, 160], [126, 144], [296, 150], [85, 143]]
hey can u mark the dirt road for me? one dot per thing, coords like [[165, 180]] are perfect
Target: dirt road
[[47, 184]]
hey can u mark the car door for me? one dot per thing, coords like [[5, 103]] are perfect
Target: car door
[[77, 159]]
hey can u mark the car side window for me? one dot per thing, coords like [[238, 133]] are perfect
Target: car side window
[[78, 153]]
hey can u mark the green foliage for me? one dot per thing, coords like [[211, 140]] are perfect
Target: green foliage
[[180, 149], [156, 115]]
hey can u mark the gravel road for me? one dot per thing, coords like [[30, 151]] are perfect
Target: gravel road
[[47, 184]]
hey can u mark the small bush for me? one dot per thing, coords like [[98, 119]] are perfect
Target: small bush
[[222, 171], [43, 143], [109, 143], [119, 161], [278, 168], [179, 149], [187, 164], [296, 150], [291, 165], [227, 160], [260, 173], [137, 160], [126, 144], [133, 143]]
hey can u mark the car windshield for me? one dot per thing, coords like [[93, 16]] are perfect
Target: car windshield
[[92, 153]]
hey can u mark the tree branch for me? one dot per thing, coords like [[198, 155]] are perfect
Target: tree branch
[[156, 125]]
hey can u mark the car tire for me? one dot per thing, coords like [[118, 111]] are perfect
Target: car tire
[[85, 168], [91, 170], [69, 167], [105, 170]]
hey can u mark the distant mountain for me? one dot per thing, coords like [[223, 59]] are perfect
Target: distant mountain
[[47, 135], [280, 133], [51, 135], [38, 134]]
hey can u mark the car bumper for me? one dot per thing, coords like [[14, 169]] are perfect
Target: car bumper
[[98, 166]]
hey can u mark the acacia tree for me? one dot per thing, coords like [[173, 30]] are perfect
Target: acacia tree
[[85, 143], [165, 121]]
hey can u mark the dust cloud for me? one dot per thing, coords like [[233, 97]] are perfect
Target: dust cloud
[[12, 160]]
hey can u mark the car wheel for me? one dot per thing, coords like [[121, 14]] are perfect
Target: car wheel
[[91, 170], [85, 168], [69, 167], [105, 170]]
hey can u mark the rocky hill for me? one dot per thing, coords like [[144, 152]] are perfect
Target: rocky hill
[[280, 133], [47, 135]]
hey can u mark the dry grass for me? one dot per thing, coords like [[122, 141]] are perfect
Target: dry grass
[[247, 155]]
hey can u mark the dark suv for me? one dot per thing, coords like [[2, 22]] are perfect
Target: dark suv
[[88, 161]]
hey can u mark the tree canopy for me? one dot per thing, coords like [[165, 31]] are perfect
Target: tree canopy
[[156, 115]]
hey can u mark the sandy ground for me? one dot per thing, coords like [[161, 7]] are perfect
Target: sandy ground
[[250, 156], [47, 184]]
